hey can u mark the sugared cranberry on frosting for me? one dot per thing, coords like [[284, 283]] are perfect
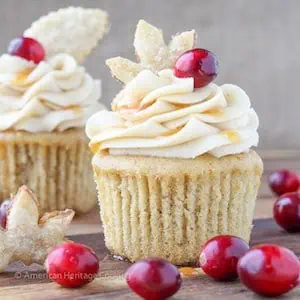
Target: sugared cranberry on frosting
[[200, 64], [27, 48]]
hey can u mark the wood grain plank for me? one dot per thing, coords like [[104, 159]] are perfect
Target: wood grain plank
[[110, 282]]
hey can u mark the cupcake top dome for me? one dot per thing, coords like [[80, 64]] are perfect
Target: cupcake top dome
[[43, 87], [169, 106]]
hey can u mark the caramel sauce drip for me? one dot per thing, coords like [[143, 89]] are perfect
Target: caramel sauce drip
[[21, 77], [181, 105], [215, 112], [172, 131], [73, 107], [128, 112], [231, 135], [190, 272], [2, 152], [114, 107], [94, 148]]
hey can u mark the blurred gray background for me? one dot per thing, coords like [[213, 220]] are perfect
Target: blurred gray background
[[257, 43]]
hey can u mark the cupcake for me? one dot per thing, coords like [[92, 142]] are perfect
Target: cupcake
[[46, 97], [172, 162]]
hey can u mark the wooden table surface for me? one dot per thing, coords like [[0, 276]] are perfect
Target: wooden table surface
[[20, 282]]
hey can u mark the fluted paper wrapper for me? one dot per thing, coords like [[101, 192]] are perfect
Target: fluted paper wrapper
[[169, 208], [56, 166]]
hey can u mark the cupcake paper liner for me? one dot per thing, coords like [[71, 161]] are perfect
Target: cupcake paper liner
[[56, 166], [169, 208]]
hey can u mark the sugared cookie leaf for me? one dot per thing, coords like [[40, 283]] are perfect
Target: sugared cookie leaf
[[152, 52], [181, 43], [150, 46], [123, 69], [72, 30]]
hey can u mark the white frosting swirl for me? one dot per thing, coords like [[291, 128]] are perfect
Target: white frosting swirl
[[54, 95], [161, 115]]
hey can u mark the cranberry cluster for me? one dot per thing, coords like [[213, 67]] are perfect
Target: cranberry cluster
[[269, 270], [285, 184]]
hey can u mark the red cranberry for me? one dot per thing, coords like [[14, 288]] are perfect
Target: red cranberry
[[153, 278], [220, 255], [72, 265], [287, 212], [269, 270], [284, 181], [27, 48], [3, 212], [200, 64]]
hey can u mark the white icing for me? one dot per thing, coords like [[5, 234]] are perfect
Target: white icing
[[54, 95], [161, 115]]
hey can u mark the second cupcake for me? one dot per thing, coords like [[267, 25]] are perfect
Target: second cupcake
[[46, 96]]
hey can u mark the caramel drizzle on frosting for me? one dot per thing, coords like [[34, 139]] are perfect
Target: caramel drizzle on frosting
[[216, 112], [232, 136], [21, 77]]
